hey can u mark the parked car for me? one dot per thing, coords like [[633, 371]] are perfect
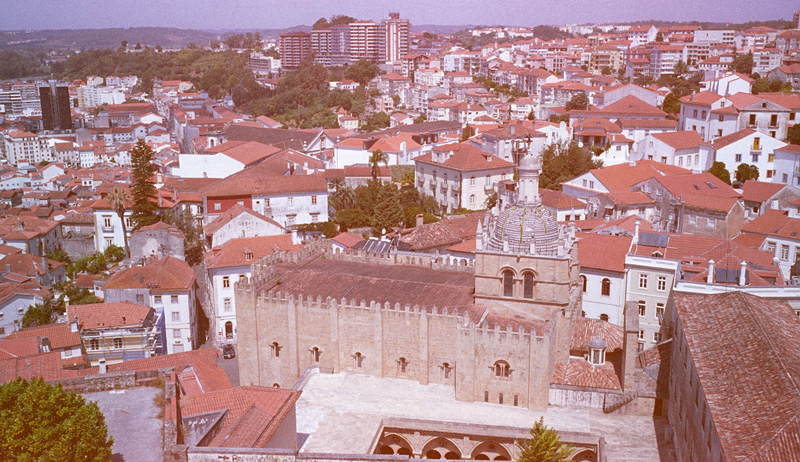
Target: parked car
[[228, 351]]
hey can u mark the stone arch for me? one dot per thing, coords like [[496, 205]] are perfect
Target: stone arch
[[583, 282], [440, 448], [583, 455], [392, 443], [490, 450], [528, 282]]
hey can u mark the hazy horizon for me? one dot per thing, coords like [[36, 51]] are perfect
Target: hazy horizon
[[276, 14]]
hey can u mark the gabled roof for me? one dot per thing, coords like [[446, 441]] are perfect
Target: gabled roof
[[726, 140], [29, 265], [261, 179], [233, 212], [773, 223], [252, 417], [246, 152], [704, 98], [277, 137], [634, 106], [466, 157], [680, 140], [167, 274], [346, 239], [107, 315], [748, 371], [702, 190], [760, 191], [620, 177], [60, 335], [235, 252]]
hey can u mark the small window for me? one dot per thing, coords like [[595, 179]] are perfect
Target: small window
[[583, 283], [139, 298], [642, 308], [485, 396], [472, 199], [226, 304], [657, 337], [248, 256], [662, 283], [276, 350], [784, 252], [402, 364], [240, 203], [94, 344], [659, 312], [516, 400], [157, 299], [176, 333], [359, 359], [176, 316], [641, 334], [313, 199], [604, 317], [315, 354], [226, 281], [738, 157], [289, 200], [217, 205], [117, 343], [642, 281], [472, 181], [605, 288], [500, 398], [446, 369], [173, 299]]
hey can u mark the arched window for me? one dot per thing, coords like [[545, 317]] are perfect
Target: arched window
[[604, 317], [508, 283], [472, 199], [402, 364], [606, 288], [527, 285], [315, 354], [502, 369], [446, 370], [359, 359], [276, 350], [583, 282]]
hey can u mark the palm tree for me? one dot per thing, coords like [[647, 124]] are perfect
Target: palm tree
[[375, 159], [118, 198], [336, 183]]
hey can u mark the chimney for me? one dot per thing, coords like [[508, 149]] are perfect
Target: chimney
[[420, 219], [295, 239], [710, 278], [160, 200], [8, 267], [512, 129], [73, 325], [45, 265], [102, 365], [636, 231], [743, 273], [175, 194]]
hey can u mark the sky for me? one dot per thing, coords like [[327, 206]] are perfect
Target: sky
[[276, 14]]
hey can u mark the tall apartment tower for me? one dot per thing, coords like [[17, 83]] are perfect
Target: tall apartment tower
[[340, 45], [396, 36], [295, 48], [321, 46], [55, 102], [366, 42]]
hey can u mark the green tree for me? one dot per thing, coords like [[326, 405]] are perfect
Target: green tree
[[39, 314], [143, 189], [579, 101], [718, 170], [680, 68], [362, 71], [387, 212], [119, 199], [743, 63], [793, 134], [467, 133], [421, 118], [45, 423], [659, 37], [115, 253], [544, 445], [376, 158], [321, 23], [672, 104], [377, 121], [746, 172], [59, 255], [760, 86], [606, 70], [96, 263], [564, 161]]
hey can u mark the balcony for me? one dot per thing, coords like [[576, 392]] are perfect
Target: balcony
[[108, 229]]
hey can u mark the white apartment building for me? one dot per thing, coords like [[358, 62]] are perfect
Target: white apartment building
[[26, 148]]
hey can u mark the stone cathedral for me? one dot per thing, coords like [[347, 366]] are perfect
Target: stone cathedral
[[494, 331]]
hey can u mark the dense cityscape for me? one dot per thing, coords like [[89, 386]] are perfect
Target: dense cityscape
[[367, 240]]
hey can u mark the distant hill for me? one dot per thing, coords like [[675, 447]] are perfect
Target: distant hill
[[75, 39], [439, 29]]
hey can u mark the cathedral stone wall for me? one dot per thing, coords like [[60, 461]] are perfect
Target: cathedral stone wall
[[416, 343]]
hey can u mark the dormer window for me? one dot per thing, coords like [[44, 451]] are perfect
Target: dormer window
[[597, 351], [248, 256]]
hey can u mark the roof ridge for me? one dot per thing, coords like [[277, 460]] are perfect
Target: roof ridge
[[776, 435]]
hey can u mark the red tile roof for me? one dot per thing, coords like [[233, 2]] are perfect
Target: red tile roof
[[29, 265], [253, 413], [578, 372], [748, 371], [680, 140], [760, 191], [167, 274], [60, 335], [346, 239], [774, 223], [620, 177], [258, 179], [702, 190], [235, 251], [633, 105], [585, 329], [17, 347], [603, 252], [466, 157], [106, 315], [704, 98], [246, 152], [726, 140]]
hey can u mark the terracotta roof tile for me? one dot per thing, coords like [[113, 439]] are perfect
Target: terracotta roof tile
[[773, 223], [232, 213], [619, 178], [760, 191], [106, 315], [603, 252], [60, 335], [346, 239], [158, 275], [579, 373], [748, 370], [680, 140], [246, 152], [466, 157], [235, 251], [723, 141]]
